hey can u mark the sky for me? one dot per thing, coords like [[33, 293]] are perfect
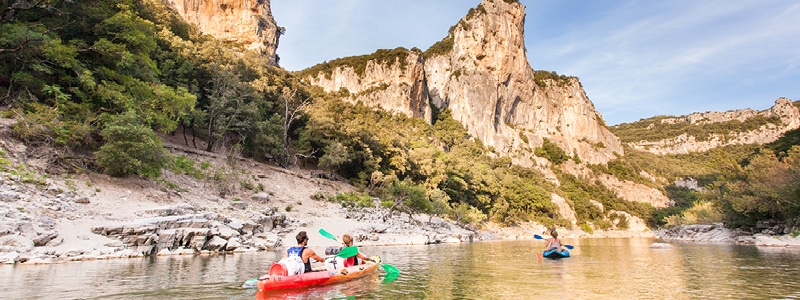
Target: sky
[[635, 58]]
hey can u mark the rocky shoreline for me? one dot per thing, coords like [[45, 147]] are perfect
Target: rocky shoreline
[[717, 233], [183, 230]]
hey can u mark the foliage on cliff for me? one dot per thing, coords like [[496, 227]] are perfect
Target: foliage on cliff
[[541, 77], [655, 129], [384, 57]]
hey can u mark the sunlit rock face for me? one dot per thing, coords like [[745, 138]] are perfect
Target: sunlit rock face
[[488, 84], [248, 23], [783, 110], [397, 86]]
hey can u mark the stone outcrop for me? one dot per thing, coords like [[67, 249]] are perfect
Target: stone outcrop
[[784, 110], [564, 210], [397, 86], [700, 233], [201, 232], [404, 229], [248, 23], [487, 83], [635, 192]]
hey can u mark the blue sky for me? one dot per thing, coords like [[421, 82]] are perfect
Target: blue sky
[[635, 59]]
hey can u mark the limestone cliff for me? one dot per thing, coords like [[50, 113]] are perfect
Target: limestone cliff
[[786, 114], [391, 79], [248, 23], [483, 76], [487, 82]]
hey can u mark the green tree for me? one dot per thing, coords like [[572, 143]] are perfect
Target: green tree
[[335, 155], [131, 148], [408, 197], [769, 189]]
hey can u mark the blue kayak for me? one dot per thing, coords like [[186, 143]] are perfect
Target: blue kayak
[[554, 253]]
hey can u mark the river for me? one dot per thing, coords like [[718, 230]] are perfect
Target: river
[[598, 269]]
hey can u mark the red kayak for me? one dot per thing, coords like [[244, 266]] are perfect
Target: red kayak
[[277, 280]]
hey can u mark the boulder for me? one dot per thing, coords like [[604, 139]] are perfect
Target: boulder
[[9, 257], [260, 197], [233, 244], [226, 232], [240, 205], [197, 242], [660, 246], [216, 243], [44, 238], [9, 196], [15, 243], [81, 200], [55, 242]]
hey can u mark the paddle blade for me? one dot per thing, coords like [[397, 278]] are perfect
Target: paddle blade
[[390, 269], [538, 237], [570, 247], [390, 277], [348, 252], [327, 234], [250, 283]]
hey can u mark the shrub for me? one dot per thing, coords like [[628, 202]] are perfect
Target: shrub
[[552, 152], [131, 149], [352, 200], [586, 228]]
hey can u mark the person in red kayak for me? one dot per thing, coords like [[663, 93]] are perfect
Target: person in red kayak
[[352, 261], [302, 252], [553, 242]]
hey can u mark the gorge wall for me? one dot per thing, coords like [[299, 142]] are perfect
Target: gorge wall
[[483, 76], [784, 110], [248, 23]]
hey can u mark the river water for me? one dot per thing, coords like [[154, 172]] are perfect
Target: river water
[[598, 269]]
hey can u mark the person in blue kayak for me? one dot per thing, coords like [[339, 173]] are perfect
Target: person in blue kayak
[[302, 253], [352, 261], [553, 242]]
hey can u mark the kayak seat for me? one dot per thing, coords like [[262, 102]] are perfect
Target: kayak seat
[[278, 270]]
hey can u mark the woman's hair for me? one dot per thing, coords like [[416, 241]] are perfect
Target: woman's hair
[[553, 232], [347, 240], [301, 237]]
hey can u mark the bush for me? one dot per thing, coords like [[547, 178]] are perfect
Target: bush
[[131, 149], [352, 200], [551, 152], [586, 228]]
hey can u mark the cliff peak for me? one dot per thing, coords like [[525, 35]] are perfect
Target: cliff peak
[[248, 23]]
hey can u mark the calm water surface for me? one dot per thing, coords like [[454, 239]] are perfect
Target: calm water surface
[[599, 269]]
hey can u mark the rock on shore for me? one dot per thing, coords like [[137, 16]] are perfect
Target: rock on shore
[[717, 233]]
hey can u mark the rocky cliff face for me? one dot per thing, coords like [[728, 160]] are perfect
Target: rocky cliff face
[[487, 81], [398, 86], [788, 113], [488, 84], [245, 22]]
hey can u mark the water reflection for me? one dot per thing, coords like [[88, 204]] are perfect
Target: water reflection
[[599, 268]]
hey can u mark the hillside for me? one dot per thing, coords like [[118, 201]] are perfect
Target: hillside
[[227, 204], [700, 132]]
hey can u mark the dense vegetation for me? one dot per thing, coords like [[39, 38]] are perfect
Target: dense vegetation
[[98, 80], [738, 185]]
